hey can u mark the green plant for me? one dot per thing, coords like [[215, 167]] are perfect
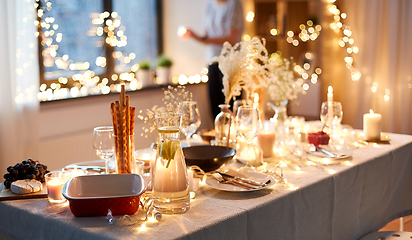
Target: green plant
[[163, 61], [144, 65]]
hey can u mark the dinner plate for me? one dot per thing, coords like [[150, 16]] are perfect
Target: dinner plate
[[342, 154], [259, 177], [93, 167]]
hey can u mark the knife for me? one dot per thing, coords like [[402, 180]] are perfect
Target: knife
[[245, 180]]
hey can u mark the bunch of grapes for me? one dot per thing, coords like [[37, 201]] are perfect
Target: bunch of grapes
[[27, 169]]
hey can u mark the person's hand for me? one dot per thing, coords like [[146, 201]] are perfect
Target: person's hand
[[187, 34]]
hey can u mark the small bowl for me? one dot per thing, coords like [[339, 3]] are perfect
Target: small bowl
[[94, 195], [207, 135], [208, 158]]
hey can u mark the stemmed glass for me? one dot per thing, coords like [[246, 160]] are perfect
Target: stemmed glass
[[248, 125], [190, 119], [331, 115], [103, 143]]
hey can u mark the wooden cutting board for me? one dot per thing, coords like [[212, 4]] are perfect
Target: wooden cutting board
[[6, 194]]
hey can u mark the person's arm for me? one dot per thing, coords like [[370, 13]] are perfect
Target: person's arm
[[232, 38]]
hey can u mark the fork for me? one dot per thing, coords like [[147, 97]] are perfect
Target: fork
[[220, 179]]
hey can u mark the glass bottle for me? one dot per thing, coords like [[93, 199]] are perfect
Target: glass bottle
[[225, 133], [170, 184]]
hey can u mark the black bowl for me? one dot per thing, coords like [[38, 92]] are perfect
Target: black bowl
[[208, 158]]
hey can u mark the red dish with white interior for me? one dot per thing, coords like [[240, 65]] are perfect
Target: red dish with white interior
[[94, 195]]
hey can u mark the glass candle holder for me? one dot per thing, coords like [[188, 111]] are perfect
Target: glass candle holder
[[54, 183]]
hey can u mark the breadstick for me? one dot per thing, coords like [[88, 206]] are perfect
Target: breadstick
[[132, 118], [127, 135], [113, 113], [120, 139]]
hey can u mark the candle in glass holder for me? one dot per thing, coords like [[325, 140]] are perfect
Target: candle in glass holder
[[54, 183], [372, 126], [266, 141]]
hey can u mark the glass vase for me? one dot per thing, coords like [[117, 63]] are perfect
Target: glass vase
[[279, 121], [225, 133], [280, 108], [170, 184]]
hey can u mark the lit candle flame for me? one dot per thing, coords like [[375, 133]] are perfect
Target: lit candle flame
[[330, 89], [370, 111], [256, 98]]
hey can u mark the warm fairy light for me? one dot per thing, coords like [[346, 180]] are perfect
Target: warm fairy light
[[273, 31], [291, 186], [250, 16], [246, 37]]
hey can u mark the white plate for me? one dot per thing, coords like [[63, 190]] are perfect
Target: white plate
[[93, 167], [259, 177]]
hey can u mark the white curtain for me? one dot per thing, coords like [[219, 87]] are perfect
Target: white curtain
[[19, 83], [382, 30]]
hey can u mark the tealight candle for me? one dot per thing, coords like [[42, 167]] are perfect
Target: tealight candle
[[266, 141], [54, 183], [77, 172], [372, 126]]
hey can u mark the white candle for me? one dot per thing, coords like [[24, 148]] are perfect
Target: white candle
[[54, 189], [330, 94], [266, 141], [372, 126], [256, 100], [190, 177], [330, 105]]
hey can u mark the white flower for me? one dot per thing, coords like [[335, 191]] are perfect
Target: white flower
[[282, 85]]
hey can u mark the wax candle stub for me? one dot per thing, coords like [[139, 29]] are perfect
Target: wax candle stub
[[266, 141], [372, 126]]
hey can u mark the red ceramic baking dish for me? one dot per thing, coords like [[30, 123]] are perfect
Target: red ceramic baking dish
[[94, 195]]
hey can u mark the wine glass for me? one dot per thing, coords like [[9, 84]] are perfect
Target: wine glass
[[331, 115], [103, 143], [190, 119], [248, 125]]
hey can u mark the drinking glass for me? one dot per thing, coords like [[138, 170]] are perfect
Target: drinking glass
[[190, 119], [248, 125], [331, 113], [103, 143], [241, 102]]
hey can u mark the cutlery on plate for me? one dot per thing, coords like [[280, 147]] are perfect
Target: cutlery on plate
[[221, 179], [245, 180], [330, 154]]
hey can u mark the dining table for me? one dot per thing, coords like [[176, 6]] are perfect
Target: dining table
[[345, 202]]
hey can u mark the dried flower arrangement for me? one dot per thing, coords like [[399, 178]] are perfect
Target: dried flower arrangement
[[244, 66]]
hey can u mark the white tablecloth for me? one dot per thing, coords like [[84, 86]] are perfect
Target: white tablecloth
[[355, 200]]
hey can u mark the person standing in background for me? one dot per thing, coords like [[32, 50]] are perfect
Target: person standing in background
[[224, 22]]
